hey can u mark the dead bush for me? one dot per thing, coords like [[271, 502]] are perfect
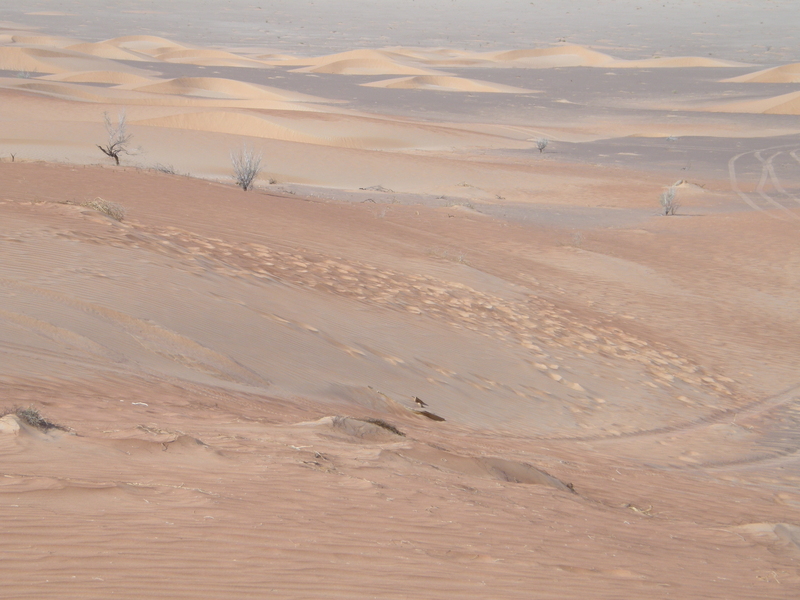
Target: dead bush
[[32, 417], [111, 209]]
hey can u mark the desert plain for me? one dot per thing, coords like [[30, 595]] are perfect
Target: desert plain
[[424, 356]]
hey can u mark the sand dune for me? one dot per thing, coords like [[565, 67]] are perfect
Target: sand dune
[[360, 62], [213, 58], [110, 77], [357, 66], [243, 124], [146, 44], [326, 129], [579, 56], [216, 87], [108, 50], [45, 60], [559, 56], [782, 74], [448, 84], [72, 91], [403, 61], [785, 104], [131, 89]]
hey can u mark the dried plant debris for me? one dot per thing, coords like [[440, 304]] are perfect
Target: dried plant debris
[[31, 416], [111, 209], [384, 425]]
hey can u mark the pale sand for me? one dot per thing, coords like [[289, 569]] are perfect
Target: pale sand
[[597, 401]]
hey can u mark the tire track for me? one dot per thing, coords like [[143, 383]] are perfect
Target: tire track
[[770, 402], [767, 174]]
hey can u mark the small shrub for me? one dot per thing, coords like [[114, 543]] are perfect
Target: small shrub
[[246, 166], [669, 201], [541, 144], [32, 417], [111, 209]]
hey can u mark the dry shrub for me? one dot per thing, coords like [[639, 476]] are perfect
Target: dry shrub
[[32, 417], [111, 209], [669, 201], [246, 166]]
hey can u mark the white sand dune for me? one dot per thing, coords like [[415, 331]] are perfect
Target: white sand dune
[[446, 84], [783, 74]]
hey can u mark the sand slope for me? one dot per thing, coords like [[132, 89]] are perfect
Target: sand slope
[[46, 60], [215, 357], [785, 104], [421, 358], [782, 74]]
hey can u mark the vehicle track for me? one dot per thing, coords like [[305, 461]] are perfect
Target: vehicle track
[[767, 174], [783, 397]]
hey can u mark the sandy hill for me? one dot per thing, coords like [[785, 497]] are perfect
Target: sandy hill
[[316, 388]]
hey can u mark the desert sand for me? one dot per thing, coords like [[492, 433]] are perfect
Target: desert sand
[[423, 357]]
